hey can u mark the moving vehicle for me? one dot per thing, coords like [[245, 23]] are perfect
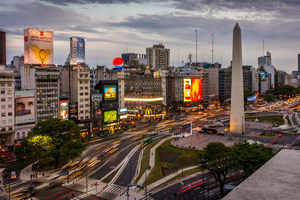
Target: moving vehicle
[[190, 186]]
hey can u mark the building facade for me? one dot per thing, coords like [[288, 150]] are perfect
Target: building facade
[[143, 93], [46, 82], [158, 57], [25, 115], [7, 108], [76, 85]]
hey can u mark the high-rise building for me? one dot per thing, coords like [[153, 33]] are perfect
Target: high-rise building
[[76, 85], [158, 57], [2, 48], [212, 83], [224, 84], [134, 59], [7, 107], [237, 115], [265, 60], [77, 51], [46, 82]]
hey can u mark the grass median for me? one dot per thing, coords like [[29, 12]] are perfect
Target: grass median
[[268, 119], [146, 158], [169, 159]]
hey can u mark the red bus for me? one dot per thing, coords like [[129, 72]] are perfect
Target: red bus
[[190, 186]]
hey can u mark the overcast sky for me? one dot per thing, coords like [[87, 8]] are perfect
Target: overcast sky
[[115, 26]]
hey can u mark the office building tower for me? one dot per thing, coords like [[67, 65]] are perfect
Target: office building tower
[[7, 107], [46, 82], [76, 85], [158, 57]]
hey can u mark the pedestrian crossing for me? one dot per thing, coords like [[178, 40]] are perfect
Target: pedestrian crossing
[[111, 191], [147, 198]]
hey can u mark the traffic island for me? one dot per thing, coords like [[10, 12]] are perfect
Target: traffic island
[[170, 159]]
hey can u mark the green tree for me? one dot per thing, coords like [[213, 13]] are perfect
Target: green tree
[[269, 97], [250, 157], [247, 94], [52, 142], [219, 161]]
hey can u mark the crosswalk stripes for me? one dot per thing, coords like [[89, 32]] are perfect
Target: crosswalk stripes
[[148, 198], [115, 189]]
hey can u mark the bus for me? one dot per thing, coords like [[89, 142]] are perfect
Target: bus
[[190, 186]]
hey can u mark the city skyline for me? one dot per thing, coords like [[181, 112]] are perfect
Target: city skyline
[[113, 27]]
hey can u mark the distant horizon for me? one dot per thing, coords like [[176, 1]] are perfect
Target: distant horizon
[[113, 27]]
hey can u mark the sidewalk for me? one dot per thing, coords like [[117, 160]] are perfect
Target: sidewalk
[[169, 177], [151, 161]]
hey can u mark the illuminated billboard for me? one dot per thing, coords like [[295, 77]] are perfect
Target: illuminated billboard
[[110, 116], [64, 109], [192, 89], [77, 51], [24, 106], [110, 92], [38, 46]]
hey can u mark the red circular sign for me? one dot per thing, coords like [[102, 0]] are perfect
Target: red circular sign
[[118, 61]]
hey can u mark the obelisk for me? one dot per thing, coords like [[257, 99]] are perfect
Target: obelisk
[[237, 115]]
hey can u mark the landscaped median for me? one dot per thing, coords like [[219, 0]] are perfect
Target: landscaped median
[[146, 159], [169, 159]]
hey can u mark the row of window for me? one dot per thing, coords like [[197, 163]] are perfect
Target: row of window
[[9, 92], [84, 82], [4, 114], [10, 128], [81, 88], [84, 75], [7, 121], [5, 84], [4, 106], [82, 100], [86, 105], [81, 93], [9, 99]]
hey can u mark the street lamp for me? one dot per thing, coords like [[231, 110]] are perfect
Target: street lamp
[[146, 192]]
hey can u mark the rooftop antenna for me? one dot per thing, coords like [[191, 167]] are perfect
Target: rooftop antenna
[[196, 31], [263, 47], [212, 48]]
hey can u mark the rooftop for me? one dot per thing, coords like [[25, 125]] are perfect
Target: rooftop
[[278, 179]]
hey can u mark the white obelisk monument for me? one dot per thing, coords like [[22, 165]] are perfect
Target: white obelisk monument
[[237, 115]]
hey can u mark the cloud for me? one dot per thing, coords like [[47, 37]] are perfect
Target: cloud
[[67, 2]]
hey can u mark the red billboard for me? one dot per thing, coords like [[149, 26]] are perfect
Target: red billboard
[[192, 89]]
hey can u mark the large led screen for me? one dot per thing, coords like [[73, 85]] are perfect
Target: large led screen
[[24, 106], [110, 116], [110, 92], [38, 46], [64, 109], [192, 89]]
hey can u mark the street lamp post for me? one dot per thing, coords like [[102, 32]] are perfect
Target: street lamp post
[[146, 183]]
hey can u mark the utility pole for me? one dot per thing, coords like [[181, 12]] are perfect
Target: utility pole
[[212, 48], [86, 184], [196, 31]]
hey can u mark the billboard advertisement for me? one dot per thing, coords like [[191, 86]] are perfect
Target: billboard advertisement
[[110, 116], [77, 51], [64, 109], [38, 47], [192, 89], [110, 92], [73, 111], [24, 106]]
